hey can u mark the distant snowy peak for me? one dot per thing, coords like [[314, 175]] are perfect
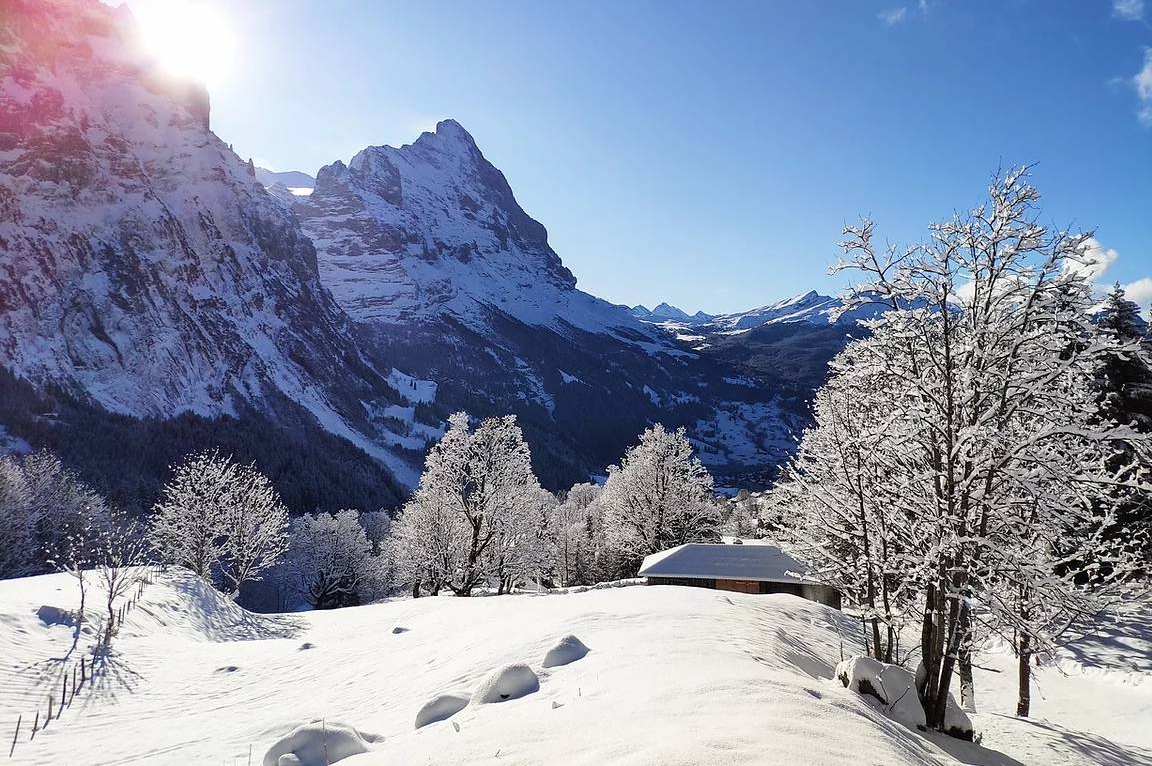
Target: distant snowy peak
[[809, 308], [293, 179], [668, 313], [432, 229]]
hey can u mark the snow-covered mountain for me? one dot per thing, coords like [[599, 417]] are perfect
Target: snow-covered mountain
[[432, 229], [809, 308], [145, 271], [148, 274], [449, 278]]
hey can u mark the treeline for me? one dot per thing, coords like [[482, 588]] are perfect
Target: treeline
[[129, 459], [479, 521]]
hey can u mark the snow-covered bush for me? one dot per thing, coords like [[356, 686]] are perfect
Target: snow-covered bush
[[660, 496], [221, 519], [895, 688], [319, 743], [507, 683]]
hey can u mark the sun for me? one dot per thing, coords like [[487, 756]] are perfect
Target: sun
[[189, 39]]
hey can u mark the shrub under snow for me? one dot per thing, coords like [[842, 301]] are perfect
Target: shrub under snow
[[566, 650], [318, 744], [895, 687], [441, 708], [508, 683]]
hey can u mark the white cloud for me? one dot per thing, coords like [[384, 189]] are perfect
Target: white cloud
[[1139, 292], [893, 16], [1130, 10], [1098, 260], [1143, 83], [922, 5]]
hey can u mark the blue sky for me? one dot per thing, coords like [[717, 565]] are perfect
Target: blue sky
[[708, 153]]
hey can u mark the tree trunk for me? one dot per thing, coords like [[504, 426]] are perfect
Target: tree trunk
[[1024, 652], [416, 589], [926, 683], [967, 686]]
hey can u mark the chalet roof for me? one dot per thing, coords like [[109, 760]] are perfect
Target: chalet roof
[[761, 563]]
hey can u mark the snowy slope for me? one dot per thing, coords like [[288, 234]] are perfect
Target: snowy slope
[[673, 676]]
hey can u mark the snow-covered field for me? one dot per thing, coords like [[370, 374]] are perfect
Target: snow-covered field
[[672, 676]]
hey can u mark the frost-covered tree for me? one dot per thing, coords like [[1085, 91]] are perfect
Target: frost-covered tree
[[978, 383], [330, 561], [577, 533], [750, 515], [62, 506], [255, 529], [658, 497], [429, 543], [17, 522], [56, 514], [222, 520], [187, 523], [839, 519], [476, 514]]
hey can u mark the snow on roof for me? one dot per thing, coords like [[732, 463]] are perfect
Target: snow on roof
[[760, 563]]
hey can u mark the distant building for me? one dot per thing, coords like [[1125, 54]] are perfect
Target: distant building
[[740, 568]]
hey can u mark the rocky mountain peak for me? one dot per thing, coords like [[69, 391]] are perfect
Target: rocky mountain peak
[[430, 228]]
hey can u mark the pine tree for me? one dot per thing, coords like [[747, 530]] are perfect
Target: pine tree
[[1125, 382]]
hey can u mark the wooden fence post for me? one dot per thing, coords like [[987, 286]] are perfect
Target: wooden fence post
[[12, 749], [35, 725], [51, 699], [64, 693]]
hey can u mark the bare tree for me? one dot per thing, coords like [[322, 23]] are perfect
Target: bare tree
[[118, 553]]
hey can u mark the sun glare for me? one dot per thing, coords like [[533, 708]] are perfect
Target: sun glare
[[190, 39]]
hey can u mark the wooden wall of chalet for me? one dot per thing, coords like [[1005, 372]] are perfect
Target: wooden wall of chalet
[[821, 594]]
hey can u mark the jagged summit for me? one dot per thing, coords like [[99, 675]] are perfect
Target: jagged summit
[[432, 228]]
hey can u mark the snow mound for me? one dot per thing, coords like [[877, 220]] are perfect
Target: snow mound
[[566, 650], [441, 708], [318, 744], [895, 687], [508, 683]]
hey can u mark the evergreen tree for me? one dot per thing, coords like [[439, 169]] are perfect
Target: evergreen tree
[[1125, 382]]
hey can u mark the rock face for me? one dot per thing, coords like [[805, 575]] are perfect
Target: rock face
[[433, 228], [144, 270]]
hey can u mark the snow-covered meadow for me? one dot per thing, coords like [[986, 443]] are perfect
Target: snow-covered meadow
[[672, 675]]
